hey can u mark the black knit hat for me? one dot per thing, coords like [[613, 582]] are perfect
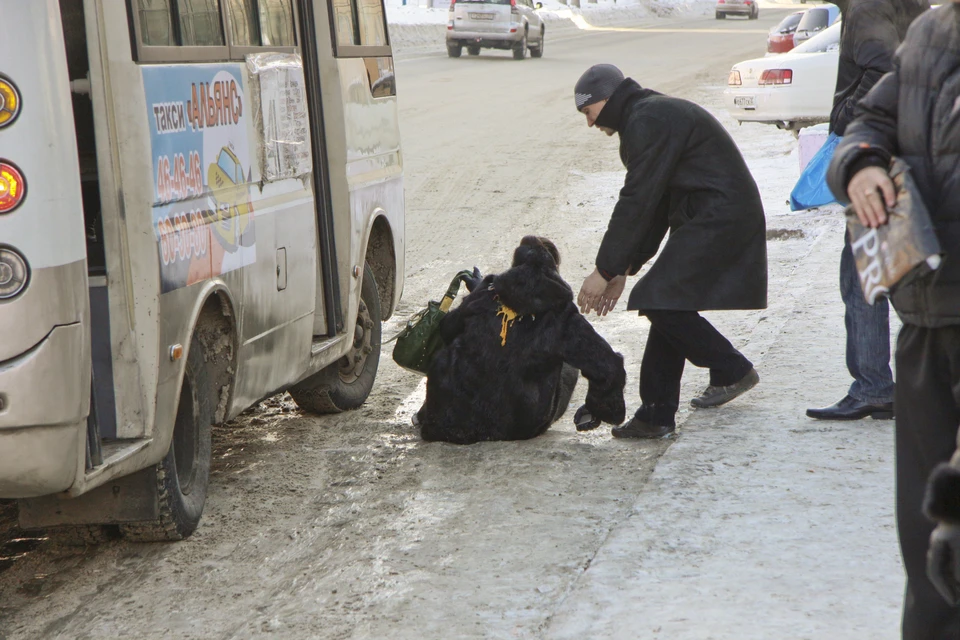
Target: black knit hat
[[596, 84]]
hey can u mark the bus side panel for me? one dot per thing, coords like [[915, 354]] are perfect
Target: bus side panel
[[374, 168]]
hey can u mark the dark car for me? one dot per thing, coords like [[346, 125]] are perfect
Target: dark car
[[780, 39], [814, 21]]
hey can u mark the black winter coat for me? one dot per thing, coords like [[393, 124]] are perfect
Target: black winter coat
[[685, 174], [870, 33], [914, 113], [498, 378]]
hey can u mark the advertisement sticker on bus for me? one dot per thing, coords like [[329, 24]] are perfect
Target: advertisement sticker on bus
[[204, 170]]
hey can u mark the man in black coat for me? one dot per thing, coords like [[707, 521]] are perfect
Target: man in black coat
[[686, 175], [870, 33], [914, 113], [511, 355]]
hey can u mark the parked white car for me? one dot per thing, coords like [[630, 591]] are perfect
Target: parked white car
[[792, 90]]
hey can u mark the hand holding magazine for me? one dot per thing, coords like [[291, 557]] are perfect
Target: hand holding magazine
[[900, 250]]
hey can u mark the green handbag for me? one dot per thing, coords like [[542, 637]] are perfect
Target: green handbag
[[420, 340]]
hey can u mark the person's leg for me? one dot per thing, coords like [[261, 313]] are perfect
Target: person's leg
[[928, 415], [868, 336], [698, 341], [660, 373]]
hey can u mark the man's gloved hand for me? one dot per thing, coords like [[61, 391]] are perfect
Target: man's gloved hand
[[943, 561], [472, 282], [584, 420]]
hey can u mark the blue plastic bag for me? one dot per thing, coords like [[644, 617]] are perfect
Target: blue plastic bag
[[811, 189]]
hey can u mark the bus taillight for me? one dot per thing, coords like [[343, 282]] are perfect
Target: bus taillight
[[14, 273], [9, 102], [12, 187]]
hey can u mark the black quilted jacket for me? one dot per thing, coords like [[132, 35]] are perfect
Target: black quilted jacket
[[914, 113]]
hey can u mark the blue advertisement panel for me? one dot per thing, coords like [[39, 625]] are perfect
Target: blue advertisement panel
[[203, 166]]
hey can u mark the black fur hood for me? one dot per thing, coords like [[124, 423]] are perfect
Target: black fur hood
[[533, 284]]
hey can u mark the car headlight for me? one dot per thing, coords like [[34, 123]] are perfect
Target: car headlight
[[14, 273]]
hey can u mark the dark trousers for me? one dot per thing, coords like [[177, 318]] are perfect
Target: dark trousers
[[928, 415], [675, 337]]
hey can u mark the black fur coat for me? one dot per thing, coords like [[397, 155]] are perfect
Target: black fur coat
[[499, 375]]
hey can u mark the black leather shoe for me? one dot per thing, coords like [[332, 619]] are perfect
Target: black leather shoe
[[637, 428], [852, 409]]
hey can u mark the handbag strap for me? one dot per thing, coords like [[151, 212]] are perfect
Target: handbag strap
[[445, 303], [454, 289]]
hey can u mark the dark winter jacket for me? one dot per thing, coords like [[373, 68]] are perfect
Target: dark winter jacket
[[870, 33], [685, 174], [498, 376], [914, 113]]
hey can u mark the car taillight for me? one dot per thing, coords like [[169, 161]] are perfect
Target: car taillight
[[14, 273], [734, 79], [12, 187], [9, 102], [776, 76]]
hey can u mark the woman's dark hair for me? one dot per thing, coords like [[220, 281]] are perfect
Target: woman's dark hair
[[546, 243]]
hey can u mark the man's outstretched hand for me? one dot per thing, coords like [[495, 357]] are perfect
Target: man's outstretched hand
[[597, 293]]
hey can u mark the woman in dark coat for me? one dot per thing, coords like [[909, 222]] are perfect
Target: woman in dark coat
[[686, 175], [513, 348]]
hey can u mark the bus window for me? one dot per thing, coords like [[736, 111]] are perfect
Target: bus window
[[267, 23], [372, 31], [244, 24], [200, 23], [156, 23], [344, 19], [276, 23]]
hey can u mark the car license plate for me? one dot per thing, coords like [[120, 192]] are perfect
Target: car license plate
[[745, 102], [481, 16]]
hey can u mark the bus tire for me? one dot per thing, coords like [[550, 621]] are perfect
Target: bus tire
[[184, 473], [81, 535], [346, 383]]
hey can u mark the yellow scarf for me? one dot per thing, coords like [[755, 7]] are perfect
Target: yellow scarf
[[509, 317]]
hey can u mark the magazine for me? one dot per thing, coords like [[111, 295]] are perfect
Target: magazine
[[900, 250]]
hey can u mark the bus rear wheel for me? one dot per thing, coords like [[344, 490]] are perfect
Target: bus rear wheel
[[184, 474], [346, 384]]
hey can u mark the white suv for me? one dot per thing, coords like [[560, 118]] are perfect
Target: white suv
[[495, 24]]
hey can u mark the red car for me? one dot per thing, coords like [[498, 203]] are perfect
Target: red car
[[780, 39]]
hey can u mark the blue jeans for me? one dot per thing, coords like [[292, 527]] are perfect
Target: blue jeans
[[868, 336]]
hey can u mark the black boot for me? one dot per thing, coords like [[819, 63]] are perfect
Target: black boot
[[637, 428]]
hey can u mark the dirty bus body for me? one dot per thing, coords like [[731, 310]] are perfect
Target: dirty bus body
[[218, 217]]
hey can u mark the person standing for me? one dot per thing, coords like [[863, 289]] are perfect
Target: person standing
[[686, 175], [913, 113], [870, 33]]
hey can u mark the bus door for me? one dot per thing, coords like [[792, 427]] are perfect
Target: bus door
[[328, 277]]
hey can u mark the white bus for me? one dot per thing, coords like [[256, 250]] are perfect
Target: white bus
[[201, 204]]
